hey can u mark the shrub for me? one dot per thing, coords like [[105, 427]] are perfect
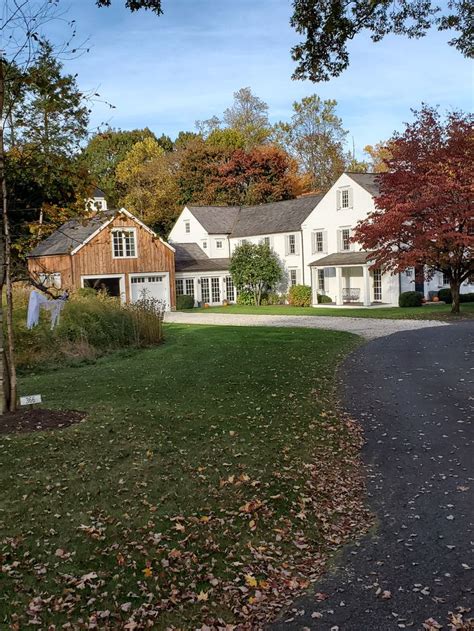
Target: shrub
[[184, 302], [466, 297], [272, 298], [322, 299], [300, 296], [445, 296], [410, 299], [245, 297]]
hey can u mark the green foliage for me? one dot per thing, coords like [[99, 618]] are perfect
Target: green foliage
[[410, 299], [272, 298], [226, 139], [445, 295], [469, 297], [255, 267], [300, 296], [91, 324], [323, 299], [245, 297], [184, 302]]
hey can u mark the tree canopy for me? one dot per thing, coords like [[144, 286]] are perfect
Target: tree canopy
[[424, 211], [255, 268], [328, 26]]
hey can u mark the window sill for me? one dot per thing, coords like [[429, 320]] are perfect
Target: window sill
[[121, 258]]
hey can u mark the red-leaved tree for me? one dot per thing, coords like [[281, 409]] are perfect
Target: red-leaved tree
[[424, 211]]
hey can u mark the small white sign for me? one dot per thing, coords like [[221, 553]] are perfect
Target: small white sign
[[31, 399]]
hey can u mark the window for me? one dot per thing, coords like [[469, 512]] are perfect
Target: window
[[179, 286], [321, 284], [189, 287], [291, 249], [377, 285], [184, 286], [293, 279], [344, 198], [99, 205], [229, 289], [266, 241], [345, 239], [50, 280], [409, 272], [187, 227], [205, 295], [318, 241], [215, 290], [124, 243], [219, 244], [445, 278], [204, 245]]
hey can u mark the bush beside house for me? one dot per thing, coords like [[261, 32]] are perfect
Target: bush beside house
[[300, 296], [410, 299], [184, 302]]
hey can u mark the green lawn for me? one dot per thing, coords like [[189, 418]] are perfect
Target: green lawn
[[427, 312], [213, 475]]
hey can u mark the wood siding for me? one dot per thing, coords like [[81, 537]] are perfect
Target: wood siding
[[96, 258]]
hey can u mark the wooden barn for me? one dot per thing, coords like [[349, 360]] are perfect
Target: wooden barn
[[111, 250]]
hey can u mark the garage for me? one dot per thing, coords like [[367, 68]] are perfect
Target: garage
[[150, 286]]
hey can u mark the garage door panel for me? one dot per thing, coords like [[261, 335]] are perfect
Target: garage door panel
[[150, 286]]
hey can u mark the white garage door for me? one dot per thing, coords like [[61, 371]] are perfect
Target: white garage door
[[150, 286]]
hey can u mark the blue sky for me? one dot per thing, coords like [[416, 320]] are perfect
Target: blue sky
[[165, 72]]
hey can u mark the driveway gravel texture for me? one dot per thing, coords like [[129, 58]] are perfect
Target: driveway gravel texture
[[413, 392], [369, 328]]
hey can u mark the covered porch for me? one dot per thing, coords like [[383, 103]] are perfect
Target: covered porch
[[346, 278]]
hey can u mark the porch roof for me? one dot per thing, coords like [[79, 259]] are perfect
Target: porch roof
[[190, 258], [339, 259]]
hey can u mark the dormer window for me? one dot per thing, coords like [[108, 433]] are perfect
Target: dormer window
[[124, 243], [187, 227], [345, 198]]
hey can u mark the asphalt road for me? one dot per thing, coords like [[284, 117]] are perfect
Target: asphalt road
[[414, 394]]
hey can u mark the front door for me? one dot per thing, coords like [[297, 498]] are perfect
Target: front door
[[420, 279], [211, 290]]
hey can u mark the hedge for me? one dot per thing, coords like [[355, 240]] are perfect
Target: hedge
[[184, 302], [410, 299], [300, 296], [322, 299]]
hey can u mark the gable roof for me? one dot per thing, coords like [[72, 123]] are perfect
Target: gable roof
[[70, 235], [275, 217], [190, 258], [215, 219], [343, 258], [368, 181], [74, 234], [98, 192]]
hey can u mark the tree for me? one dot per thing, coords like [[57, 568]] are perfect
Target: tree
[[148, 177], [105, 151], [329, 25], [315, 137], [255, 268], [424, 212], [248, 115], [379, 155]]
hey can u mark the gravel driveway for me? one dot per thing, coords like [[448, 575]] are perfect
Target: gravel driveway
[[370, 328]]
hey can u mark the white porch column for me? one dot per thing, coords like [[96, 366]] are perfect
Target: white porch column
[[339, 300], [366, 274]]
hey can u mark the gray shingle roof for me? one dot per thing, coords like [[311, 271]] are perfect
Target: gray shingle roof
[[343, 258], [216, 219], [367, 181], [98, 192], [190, 258], [69, 235], [275, 217]]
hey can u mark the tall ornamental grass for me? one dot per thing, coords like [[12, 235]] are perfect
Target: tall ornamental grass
[[91, 325]]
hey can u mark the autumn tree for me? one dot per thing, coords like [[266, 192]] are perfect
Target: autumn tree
[[379, 155], [255, 268], [424, 212], [315, 137], [328, 26]]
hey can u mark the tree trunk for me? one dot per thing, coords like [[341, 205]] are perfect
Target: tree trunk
[[455, 290]]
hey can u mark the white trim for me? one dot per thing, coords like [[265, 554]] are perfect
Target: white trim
[[92, 236], [97, 276], [135, 242]]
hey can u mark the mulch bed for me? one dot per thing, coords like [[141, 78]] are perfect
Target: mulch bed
[[37, 419]]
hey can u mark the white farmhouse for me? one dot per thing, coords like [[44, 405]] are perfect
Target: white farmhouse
[[312, 237]]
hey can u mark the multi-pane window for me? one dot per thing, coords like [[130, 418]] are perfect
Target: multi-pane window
[[187, 227], [446, 280], [377, 285], [319, 241], [204, 245], [205, 295], [229, 289], [219, 244], [345, 198], [345, 239], [123, 241], [189, 286], [321, 284], [293, 278], [291, 244], [266, 241], [50, 280], [184, 286], [215, 290], [179, 286]]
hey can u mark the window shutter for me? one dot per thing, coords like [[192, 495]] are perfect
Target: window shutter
[[338, 200], [313, 243], [298, 277], [287, 245], [325, 241], [339, 240], [297, 244], [351, 198]]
